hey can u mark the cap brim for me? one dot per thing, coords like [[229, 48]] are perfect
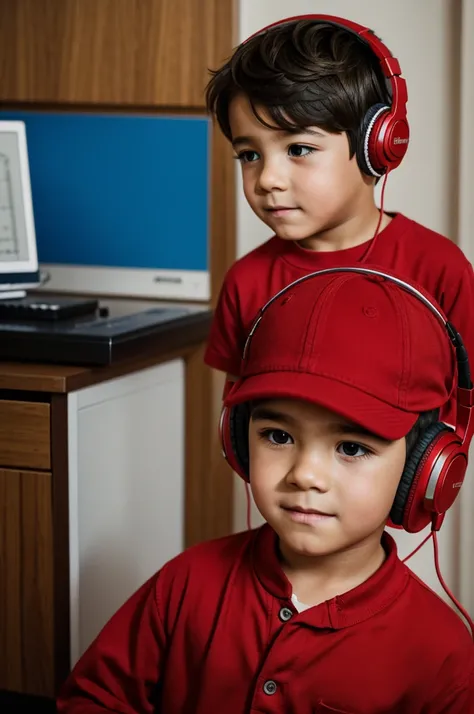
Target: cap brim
[[354, 405]]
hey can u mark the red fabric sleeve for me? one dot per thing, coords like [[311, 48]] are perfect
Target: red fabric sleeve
[[227, 335], [121, 669], [451, 699]]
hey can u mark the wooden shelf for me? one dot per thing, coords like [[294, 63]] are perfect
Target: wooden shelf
[[127, 52]]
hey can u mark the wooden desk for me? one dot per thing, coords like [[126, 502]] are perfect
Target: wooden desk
[[35, 567]]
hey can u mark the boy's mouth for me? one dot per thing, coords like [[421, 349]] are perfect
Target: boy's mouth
[[300, 509], [280, 211], [306, 515]]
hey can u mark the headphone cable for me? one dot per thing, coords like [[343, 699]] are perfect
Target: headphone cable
[[448, 592], [371, 245], [418, 547], [249, 506], [433, 534]]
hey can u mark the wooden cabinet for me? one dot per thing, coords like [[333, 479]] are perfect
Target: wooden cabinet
[[125, 52], [26, 575]]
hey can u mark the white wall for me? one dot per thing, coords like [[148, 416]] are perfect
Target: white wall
[[422, 35], [466, 242]]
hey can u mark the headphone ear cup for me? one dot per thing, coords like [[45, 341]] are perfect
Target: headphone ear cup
[[368, 133], [411, 473], [235, 439]]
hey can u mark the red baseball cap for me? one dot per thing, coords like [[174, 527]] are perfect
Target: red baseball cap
[[357, 344]]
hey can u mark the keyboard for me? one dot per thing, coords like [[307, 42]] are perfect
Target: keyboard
[[32, 309]]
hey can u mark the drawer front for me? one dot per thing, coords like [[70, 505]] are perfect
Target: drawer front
[[25, 435]]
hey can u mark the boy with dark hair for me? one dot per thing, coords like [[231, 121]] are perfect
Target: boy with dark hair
[[304, 104], [313, 612]]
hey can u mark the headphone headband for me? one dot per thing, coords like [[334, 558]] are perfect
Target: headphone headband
[[464, 374], [389, 64]]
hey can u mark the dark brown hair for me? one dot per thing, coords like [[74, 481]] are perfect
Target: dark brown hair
[[425, 420], [302, 73]]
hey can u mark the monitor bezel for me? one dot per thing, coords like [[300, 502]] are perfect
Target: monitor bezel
[[21, 273]]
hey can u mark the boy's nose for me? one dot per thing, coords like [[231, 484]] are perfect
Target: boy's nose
[[310, 473], [272, 177]]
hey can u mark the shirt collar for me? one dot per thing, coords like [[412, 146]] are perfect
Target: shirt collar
[[291, 252], [356, 605]]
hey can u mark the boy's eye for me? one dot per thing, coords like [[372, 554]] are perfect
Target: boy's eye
[[278, 437], [297, 150], [352, 449], [247, 157]]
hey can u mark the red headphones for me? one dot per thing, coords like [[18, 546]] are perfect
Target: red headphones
[[436, 467], [384, 133]]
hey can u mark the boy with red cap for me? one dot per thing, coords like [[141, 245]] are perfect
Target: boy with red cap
[[315, 109], [334, 421]]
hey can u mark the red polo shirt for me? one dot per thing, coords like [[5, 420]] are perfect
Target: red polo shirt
[[215, 632]]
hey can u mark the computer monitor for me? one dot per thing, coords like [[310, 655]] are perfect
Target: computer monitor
[[121, 202], [19, 268]]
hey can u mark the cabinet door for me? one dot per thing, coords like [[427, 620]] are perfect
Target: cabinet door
[[26, 582], [127, 52]]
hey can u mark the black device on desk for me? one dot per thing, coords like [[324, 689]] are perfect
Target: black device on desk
[[75, 331], [45, 308]]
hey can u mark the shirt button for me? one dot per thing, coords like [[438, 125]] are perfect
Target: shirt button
[[285, 614], [270, 687]]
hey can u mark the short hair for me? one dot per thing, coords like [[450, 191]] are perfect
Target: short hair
[[301, 73], [425, 420]]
